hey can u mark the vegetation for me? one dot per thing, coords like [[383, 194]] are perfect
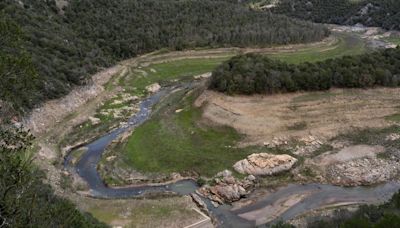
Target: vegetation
[[17, 72], [174, 142], [161, 73], [393, 39], [68, 45], [25, 201], [346, 44], [178, 141], [379, 13], [251, 73]]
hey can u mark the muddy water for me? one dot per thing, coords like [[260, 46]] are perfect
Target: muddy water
[[265, 210]]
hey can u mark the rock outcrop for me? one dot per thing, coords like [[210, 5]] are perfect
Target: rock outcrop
[[364, 171], [227, 188], [265, 164]]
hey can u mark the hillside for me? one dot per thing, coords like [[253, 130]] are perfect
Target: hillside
[[199, 113], [68, 45], [379, 13]]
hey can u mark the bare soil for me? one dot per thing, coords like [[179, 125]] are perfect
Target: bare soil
[[321, 114]]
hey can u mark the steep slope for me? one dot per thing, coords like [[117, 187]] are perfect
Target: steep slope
[[70, 42], [380, 13]]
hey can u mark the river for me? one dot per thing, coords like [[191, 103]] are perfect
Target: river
[[266, 210]]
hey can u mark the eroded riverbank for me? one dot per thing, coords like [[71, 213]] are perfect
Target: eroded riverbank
[[284, 204]]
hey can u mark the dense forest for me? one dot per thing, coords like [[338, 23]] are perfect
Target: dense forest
[[24, 200], [380, 13], [254, 73], [62, 47]]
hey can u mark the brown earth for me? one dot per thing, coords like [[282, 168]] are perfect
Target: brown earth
[[296, 115]]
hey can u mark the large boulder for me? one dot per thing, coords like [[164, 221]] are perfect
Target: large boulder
[[265, 164], [227, 188]]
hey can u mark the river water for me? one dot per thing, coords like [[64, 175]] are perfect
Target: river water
[[318, 194]]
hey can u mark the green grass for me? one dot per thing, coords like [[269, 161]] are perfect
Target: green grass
[[177, 142], [346, 45], [393, 39], [393, 118], [164, 72], [141, 212], [324, 148]]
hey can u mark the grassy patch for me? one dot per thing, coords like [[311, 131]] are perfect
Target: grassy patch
[[371, 136], [384, 155], [393, 40], [164, 72], [347, 44], [179, 142], [308, 172], [394, 117], [322, 149], [144, 213], [174, 142]]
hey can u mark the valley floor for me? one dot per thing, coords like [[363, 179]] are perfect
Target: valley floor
[[250, 124]]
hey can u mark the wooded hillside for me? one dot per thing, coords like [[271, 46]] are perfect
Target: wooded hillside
[[67, 47], [380, 13]]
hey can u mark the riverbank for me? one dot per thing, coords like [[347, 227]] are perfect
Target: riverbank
[[110, 90]]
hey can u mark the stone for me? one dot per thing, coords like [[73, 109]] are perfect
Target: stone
[[202, 76], [111, 158], [94, 120], [198, 200], [264, 164], [225, 173], [251, 178], [176, 176], [215, 204], [229, 193], [229, 180], [153, 88]]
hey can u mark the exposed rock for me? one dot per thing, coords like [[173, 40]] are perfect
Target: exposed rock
[[178, 110], [393, 137], [202, 76], [199, 201], [176, 176], [265, 164], [111, 158], [153, 88], [94, 120], [225, 173], [251, 178], [364, 171], [229, 193], [227, 188], [215, 204]]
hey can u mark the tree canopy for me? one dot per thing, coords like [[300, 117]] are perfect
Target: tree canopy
[[379, 13], [24, 200], [67, 45], [255, 73]]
